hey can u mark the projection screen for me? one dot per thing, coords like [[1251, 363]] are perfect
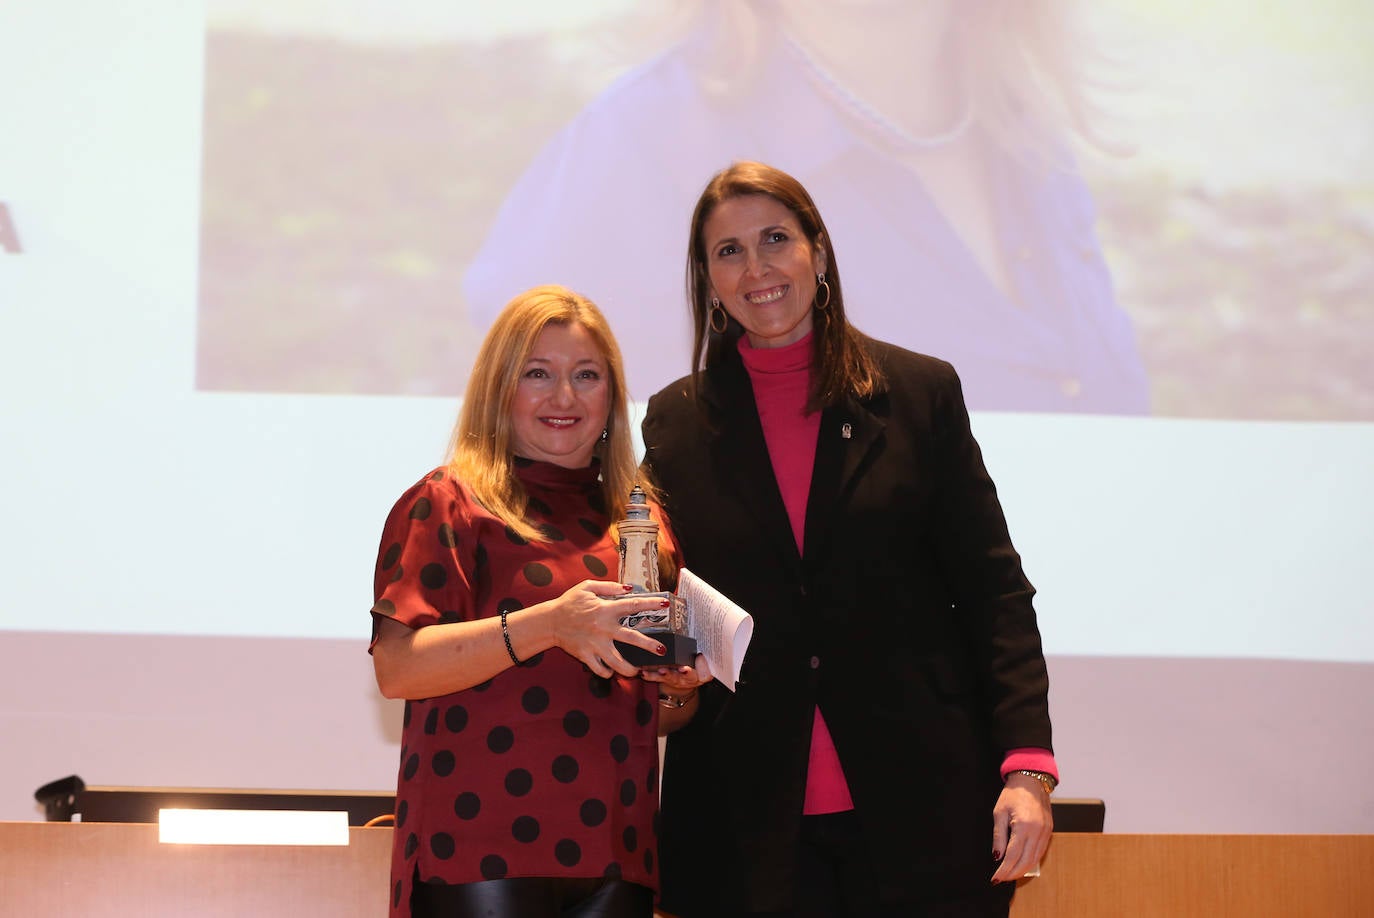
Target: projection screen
[[248, 251]]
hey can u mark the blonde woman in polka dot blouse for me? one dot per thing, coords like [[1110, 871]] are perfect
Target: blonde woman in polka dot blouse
[[528, 782]]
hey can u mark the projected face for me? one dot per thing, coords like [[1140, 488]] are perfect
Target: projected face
[[563, 399], [762, 268]]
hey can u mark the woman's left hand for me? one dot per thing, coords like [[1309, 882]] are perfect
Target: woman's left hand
[[1021, 827]]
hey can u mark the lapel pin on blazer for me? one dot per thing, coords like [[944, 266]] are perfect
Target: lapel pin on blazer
[[847, 431]]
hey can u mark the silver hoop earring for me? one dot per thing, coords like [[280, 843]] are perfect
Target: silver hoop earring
[[718, 311], [822, 305]]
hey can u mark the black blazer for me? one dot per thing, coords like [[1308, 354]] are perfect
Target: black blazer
[[908, 620]]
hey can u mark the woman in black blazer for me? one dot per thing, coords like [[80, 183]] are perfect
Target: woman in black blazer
[[887, 749]]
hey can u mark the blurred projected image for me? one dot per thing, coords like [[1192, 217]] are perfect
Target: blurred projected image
[[1103, 215]]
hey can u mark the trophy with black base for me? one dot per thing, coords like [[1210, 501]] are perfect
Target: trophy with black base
[[639, 569]]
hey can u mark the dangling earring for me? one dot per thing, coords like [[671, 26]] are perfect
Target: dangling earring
[[605, 435], [718, 311], [821, 305]]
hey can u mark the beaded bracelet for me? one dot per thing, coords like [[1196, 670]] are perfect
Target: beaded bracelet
[[505, 633]]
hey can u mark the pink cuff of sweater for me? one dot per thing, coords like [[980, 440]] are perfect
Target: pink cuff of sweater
[[1031, 759]]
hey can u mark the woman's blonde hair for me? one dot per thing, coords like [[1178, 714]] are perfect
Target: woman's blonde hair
[[481, 451]]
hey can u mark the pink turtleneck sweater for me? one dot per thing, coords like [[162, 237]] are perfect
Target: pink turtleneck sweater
[[781, 379]]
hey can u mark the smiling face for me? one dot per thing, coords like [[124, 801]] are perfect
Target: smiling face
[[762, 268], [563, 399]]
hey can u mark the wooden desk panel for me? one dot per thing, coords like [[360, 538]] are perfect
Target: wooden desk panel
[[1202, 876], [94, 870], [121, 869]]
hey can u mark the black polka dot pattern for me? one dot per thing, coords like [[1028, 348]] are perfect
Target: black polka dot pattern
[[525, 830], [577, 724], [467, 806], [593, 812], [568, 852], [535, 700], [455, 718], [447, 537], [433, 576], [501, 739], [519, 782], [538, 574], [565, 769], [540, 770], [441, 843], [493, 868]]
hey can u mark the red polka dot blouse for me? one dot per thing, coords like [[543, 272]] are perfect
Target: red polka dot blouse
[[546, 769]]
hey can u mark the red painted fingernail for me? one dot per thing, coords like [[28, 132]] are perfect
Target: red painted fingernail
[[664, 604], [627, 587], [660, 650]]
